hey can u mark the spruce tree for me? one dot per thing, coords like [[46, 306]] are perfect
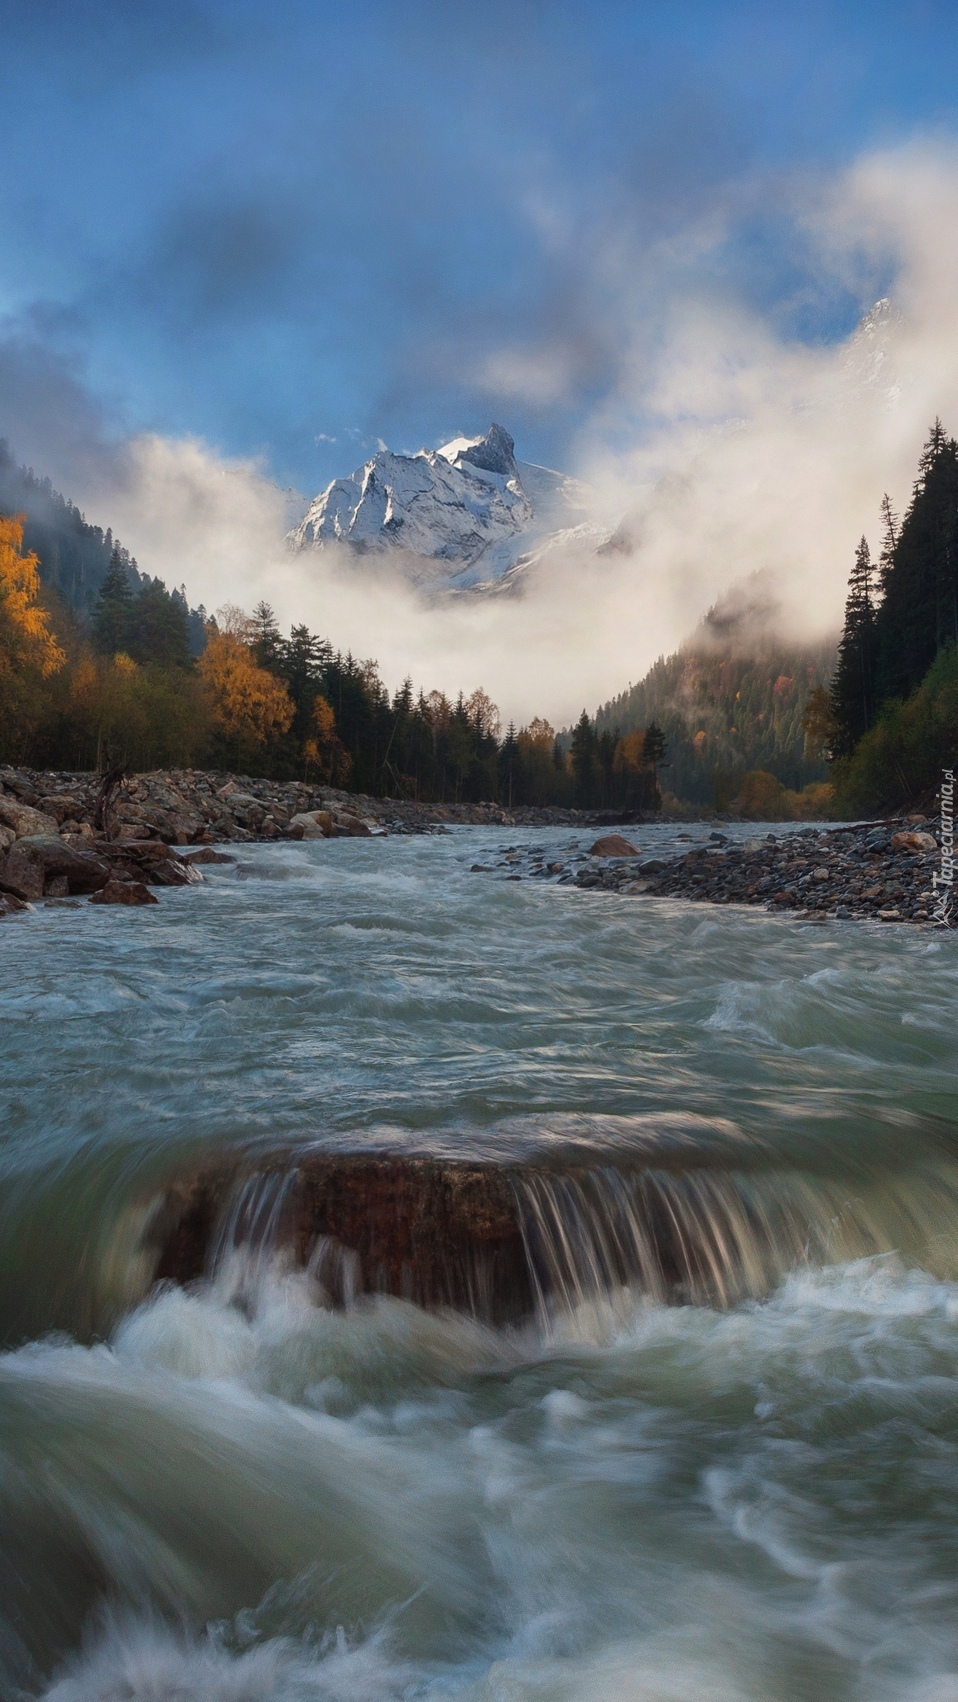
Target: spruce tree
[[113, 608], [919, 613], [303, 663], [159, 627], [605, 761], [655, 754], [890, 531], [267, 643], [583, 760], [853, 688], [508, 763]]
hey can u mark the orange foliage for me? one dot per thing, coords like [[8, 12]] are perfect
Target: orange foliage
[[247, 703], [25, 636], [538, 736], [629, 754], [325, 749], [323, 720]]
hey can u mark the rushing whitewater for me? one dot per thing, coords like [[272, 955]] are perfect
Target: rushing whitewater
[[715, 1456]]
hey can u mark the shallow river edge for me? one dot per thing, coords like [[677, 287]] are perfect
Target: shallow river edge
[[113, 839]]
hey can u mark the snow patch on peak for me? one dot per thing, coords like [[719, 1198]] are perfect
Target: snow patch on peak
[[469, 507], [494, 453]]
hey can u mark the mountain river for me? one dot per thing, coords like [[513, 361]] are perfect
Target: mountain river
[[742, 1490]]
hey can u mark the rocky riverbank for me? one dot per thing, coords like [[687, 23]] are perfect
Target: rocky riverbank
[[111, 838], [193, 806], [880, 871]]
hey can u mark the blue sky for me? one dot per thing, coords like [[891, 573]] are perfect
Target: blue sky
[[293, 229]]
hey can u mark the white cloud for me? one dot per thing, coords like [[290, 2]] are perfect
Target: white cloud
[[733, 449]]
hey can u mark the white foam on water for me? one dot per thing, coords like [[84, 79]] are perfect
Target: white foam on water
[[148, 1662], [637, 1502], [498, 1517]]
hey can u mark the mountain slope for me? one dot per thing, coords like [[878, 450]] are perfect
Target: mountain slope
[[468, 511], [724, 714], [73, 555]]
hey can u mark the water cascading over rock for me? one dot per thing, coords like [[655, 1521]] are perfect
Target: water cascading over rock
[[508, 1242]]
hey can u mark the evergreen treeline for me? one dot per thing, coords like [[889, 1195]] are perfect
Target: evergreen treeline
[[890, 719]]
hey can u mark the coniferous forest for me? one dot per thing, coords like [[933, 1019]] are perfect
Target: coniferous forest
[[889, 722]]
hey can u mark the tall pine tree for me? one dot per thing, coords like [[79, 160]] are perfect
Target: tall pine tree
[[655, 754], [267, 643], [112, 613], [159, 630], [853, 688], [919, 613], [890, 533], [583, 760]]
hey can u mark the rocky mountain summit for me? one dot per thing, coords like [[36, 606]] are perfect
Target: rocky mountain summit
[[468, 513]]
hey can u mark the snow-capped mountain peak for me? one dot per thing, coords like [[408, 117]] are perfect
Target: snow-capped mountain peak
[[494, 453], [469, 507]]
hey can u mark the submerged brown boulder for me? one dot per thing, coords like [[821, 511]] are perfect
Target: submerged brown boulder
[[124, 892], [440, 1233], [149, 860], [207, 855]]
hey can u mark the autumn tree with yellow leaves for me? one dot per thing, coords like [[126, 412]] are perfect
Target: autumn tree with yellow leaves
[[323, 750], [249, 706], [25, 637], [29, 652]]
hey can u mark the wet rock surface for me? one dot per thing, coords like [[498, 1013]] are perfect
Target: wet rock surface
[[196, 807], [881, 871], [124, 892], [497, 1241], [434, 1232], [63, 834]]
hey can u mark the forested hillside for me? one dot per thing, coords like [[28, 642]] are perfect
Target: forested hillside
[[725, 716], [73, 556]]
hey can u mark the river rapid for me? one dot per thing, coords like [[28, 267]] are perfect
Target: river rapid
[[236, 1492]]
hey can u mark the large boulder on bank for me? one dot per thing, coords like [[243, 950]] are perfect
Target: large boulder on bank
[[10, 906], [914, 842], [150, 860], [328, 824], [24, 820], [34, 863], [350, 826], [311, 824], [64, 806], [613, 845], [250, 812]]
